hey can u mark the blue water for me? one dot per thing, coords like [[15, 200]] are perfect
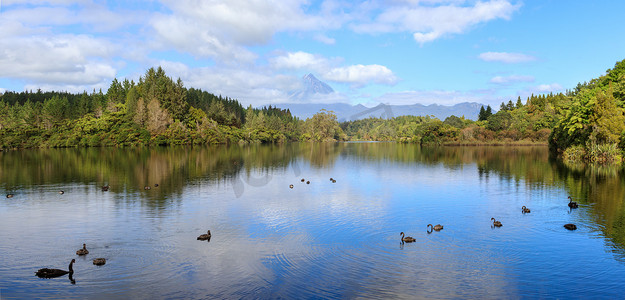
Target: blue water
[[317, 240]]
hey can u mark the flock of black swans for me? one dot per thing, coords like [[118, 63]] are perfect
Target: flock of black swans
[[52, 273]]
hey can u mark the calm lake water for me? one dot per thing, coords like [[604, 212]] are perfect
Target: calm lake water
[[317, 240]]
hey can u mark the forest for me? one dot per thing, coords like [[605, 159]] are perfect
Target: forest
[[583, 124]]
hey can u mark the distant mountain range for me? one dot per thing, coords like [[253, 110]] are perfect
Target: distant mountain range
[[313, 88], [346, 112]]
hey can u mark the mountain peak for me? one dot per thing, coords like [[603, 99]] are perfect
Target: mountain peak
[[311, 86]]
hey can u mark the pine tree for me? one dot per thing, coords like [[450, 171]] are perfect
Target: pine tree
[[482, 115], [510, 105]]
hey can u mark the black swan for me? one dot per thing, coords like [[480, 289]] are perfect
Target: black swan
[[496, 223], [525, 210], [407, 239], [83, 251], [51, 273], [438, 227], [572, 204], [570, 226], [204, 237], [99, 261]]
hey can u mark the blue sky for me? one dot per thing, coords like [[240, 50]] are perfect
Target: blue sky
[[375, 51]]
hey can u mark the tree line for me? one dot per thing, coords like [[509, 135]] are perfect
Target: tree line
[[585, 123], [156, 110]]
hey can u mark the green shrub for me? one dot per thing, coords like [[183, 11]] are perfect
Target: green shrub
[[574, 154]]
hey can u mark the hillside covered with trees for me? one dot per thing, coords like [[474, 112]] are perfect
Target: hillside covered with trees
[[157, 110], [586, 123]]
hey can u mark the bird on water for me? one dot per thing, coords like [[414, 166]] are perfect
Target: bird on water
[[83, 250], [204, 237], [407, 239], [438, 227], [51, 273]]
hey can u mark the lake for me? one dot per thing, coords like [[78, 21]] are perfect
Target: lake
[[319, 240]]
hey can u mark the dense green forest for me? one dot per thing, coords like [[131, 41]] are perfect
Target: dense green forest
[[585, 123], [154, 111]]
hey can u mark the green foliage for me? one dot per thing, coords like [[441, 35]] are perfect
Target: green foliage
[[323, 127], [607, 119], [595, 118], [160, 111], [499, 121], [54, 110], [455, 121], [574, 153], [603, 153]]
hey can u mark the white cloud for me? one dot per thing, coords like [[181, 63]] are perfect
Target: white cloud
[[546, 88], [222, 29], [505, 80], [429, 22], [355, 75], [506, 57], [195, 39], [299, 60], [249, 86], [95, 16], [359, 75], [62, 61]]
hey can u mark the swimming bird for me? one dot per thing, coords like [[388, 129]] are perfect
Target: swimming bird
[[407, 239], [570, 226], [105, 188], [572, 204], [496, 223], [9, 195], [525, 209], [99, 261], [147, 187], [307, 182], [204, 237], [51, 273], [156, 185], [291, 186], [438, 227], [61, 192], [333, 180], [83, 251], [303, 180]]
